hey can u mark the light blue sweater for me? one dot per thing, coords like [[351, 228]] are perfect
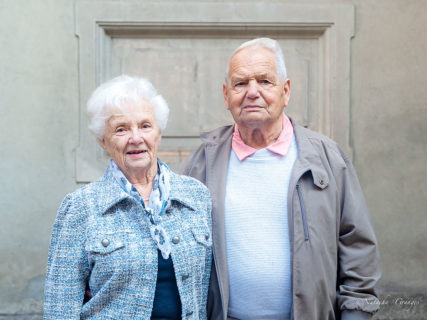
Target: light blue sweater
[[257, 235]]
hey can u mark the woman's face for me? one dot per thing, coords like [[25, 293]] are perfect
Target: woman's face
[[132, 138]]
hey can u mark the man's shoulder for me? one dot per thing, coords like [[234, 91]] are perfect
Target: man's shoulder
[[195, 164], [322, 144], [310, 134], [217, 135]]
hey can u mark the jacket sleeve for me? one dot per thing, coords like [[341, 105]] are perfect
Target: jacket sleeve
[[67, 268], [358, 257]]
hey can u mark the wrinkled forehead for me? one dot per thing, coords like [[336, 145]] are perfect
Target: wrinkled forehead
[[252, 60], [251, 51]]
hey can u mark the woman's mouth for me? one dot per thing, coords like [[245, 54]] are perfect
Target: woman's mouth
[[136, 153]]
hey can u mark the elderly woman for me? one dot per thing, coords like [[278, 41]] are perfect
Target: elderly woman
[[137, 241]]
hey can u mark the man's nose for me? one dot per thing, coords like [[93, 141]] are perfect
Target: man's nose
[[253, 89], [136, 136]]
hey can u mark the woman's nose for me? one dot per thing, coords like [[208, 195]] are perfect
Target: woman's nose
[[136, 137]]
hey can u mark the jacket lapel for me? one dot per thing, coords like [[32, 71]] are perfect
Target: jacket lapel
[[111, 192]]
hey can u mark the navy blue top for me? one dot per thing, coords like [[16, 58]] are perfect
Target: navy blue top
[[167, 304]]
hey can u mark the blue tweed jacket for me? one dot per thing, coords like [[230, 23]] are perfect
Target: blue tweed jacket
[[101, 240]]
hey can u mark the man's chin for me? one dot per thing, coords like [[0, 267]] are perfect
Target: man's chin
[[253, 119]]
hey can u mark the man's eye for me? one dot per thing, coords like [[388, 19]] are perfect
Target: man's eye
[[146, 126], [265, 81], [239, 84], [120, 130]]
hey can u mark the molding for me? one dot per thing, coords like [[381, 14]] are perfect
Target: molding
[[328, 28]]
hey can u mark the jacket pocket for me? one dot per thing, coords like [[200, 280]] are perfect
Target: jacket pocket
[[104, 245], [303, 213], [202, 236]]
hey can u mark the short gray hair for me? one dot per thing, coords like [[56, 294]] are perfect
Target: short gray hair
[[269, 44], [118, 92]]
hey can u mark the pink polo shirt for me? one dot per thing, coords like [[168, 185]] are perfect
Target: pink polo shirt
[[280, 146]]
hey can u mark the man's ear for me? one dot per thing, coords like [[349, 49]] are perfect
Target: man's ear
[[287, 92], [224, 92]]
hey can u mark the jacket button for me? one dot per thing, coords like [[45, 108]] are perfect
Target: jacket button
[[188, 314], [321, 182], [185, 277], [175, 240], [207, 236], [105, 242]]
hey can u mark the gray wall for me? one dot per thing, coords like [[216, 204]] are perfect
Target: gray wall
[[39, 120]]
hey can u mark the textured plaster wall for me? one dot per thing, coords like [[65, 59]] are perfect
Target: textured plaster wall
[[389, 116], [39, 133]]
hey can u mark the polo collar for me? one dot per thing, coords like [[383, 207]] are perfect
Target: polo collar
[[280, 146]]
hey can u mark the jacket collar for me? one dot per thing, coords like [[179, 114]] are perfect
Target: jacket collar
[[112, 193], [218, 135], [308, 157], [179, 192]]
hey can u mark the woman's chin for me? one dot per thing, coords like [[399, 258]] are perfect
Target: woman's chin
[[140, 164]]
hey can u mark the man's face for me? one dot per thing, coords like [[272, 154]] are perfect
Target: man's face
[[254, 94]]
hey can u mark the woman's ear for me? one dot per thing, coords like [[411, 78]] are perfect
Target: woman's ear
[[101, 142]]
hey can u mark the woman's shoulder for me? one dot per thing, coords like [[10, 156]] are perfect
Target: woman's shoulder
[[85, 190], [186, 186], [91, 193], [187, 181]]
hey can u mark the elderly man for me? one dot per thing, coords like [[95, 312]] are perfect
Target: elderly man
[[292, 235]]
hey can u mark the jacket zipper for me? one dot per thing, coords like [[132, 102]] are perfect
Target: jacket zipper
[[303, 213]]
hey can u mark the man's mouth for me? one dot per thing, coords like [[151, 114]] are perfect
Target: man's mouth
[[252, 107]]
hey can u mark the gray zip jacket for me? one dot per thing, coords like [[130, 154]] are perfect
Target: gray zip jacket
[[335, 261]]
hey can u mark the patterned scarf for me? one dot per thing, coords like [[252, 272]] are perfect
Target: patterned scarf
[[159, 197]]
